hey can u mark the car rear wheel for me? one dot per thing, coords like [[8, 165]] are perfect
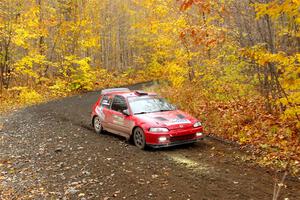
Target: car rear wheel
[[139, 138], [97, 125]]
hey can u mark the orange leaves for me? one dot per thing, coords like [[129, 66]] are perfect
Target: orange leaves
[[206, 31], [211, 42], [242, 120], [203, 36], [186, 4], [203, 5]]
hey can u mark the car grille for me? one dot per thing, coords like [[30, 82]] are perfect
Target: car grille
[[182, 137]]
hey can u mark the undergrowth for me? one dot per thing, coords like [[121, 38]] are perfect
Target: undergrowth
[[274, 141]]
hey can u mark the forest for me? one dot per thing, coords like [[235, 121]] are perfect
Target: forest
[[234, 64]]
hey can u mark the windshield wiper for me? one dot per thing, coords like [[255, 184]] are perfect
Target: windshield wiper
[[140, 113], [162, 110]]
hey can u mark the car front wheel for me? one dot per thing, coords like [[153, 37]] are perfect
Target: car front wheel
[[139, 138], [97, 125]]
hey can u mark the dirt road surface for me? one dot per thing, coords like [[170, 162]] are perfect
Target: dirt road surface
[[50, 151]]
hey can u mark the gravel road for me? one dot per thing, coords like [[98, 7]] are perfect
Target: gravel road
[[50, 151]]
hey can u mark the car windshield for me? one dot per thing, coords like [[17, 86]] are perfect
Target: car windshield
[[143, 105]]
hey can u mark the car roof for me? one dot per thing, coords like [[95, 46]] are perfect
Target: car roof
[[125, 92], [114, 90]]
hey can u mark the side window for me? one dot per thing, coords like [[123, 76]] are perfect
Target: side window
[[119, 104], [105, 102]]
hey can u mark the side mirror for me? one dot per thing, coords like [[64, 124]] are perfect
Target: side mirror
[[126, 112]]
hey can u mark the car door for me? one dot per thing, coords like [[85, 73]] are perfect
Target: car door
[[103, 108], [119, 122]]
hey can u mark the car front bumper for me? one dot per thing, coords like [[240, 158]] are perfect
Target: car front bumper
[[174, 137], [176, 143]]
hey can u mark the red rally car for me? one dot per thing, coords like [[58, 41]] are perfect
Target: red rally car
[[144, 118]]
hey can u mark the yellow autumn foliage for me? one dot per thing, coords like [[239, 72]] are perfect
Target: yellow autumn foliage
[[29, 96], [235, 65]]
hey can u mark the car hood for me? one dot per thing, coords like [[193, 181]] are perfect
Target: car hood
[[175, 119]]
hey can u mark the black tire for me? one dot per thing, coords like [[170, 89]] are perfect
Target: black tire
[[97, 125], [139, 138]]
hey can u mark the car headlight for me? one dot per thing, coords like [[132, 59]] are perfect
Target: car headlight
[[162, 139], [159, 130], [197, 124], [199, 134]]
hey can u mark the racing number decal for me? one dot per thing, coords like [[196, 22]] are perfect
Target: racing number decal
[[178, 121], [118, 120]]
